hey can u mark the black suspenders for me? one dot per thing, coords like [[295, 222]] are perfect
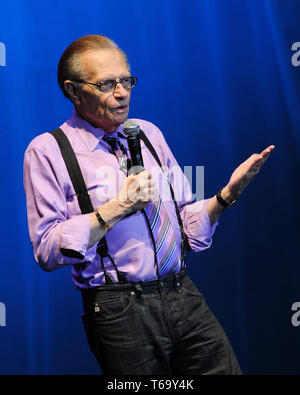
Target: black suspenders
[[85, 203]]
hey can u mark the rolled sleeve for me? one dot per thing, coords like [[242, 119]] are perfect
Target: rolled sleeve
[[197, 225], [56, 239], [74, 238]]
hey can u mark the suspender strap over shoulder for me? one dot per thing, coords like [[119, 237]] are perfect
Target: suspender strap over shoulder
[[83, 196], [74, 171]]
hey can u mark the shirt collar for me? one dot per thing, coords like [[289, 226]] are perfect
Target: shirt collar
[[90, 134]]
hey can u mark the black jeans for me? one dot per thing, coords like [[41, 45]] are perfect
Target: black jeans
[[161, 327]]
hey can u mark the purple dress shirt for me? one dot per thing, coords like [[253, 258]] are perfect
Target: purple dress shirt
[[55, 220]]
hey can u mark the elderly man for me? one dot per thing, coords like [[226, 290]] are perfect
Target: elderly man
[[143, 314]]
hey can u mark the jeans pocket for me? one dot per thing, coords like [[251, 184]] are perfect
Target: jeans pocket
[[112, 310]]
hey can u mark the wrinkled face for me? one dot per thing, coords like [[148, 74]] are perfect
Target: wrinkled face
[[103, 110]]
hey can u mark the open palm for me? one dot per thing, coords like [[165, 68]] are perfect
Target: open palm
[[245, 173]]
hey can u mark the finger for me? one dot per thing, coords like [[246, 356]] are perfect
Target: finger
[[143, 178], [145, 195], [260, 159], [266, 153], [132, 179], [254, 159], [149, 189], [145, 174], [252, 166], [268, 150], [139, 181]]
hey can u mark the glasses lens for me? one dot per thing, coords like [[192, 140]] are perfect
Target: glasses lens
[[107, 86], [127, 82], [110, 85]]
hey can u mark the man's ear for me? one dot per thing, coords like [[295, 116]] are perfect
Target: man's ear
[[72, 91]]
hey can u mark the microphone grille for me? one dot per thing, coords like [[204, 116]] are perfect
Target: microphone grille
[[131, 128]]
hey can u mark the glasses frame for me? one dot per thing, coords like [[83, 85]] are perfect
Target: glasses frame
[[116, 82]]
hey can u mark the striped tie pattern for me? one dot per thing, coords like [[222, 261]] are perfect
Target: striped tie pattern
[[168, 258], [118, 149]]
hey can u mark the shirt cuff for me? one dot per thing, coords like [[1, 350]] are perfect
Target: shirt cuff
[[75, 234]]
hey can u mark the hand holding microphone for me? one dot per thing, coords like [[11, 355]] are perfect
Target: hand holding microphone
[[138, 190]]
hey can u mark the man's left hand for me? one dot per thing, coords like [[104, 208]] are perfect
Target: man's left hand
[[245, 173]]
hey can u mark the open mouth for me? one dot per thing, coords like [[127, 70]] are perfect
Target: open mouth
[[121, 109]]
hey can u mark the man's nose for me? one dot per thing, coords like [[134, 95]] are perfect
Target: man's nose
[[120, 91]]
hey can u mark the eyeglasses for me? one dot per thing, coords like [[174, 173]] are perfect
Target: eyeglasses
[[110, 85]]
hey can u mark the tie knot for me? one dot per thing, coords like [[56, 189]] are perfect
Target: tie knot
[[113, 141]]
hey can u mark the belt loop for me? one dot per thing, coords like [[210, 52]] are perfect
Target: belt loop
[[177, 283], [138, 289]]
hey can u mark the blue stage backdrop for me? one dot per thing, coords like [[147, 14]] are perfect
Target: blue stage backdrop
[[221, 80]]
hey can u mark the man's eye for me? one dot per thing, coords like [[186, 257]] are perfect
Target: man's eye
[[107, 84]]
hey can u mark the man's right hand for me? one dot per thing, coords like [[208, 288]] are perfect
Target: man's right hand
[[135, 194], [137, 191]]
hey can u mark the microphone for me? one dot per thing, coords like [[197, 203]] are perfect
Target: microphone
[[132, 130]]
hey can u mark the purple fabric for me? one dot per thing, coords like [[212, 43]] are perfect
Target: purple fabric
[[168, 260], [168, 256], [54, 217]]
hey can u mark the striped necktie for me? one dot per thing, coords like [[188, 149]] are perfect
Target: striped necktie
[[118, 149], [168, 258]]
